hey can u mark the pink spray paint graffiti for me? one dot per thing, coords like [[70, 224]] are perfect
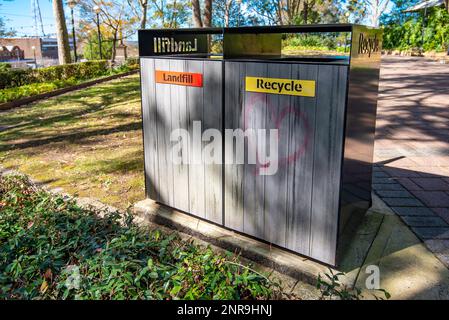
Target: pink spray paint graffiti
[[278, 115]]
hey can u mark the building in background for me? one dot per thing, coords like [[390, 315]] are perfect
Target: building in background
[[42, 50], [10, 53]]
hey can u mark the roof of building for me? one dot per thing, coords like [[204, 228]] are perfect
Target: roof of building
[[424, 5]]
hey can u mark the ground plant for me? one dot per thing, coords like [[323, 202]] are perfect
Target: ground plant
[[316, 44], [50, 248], [21, 83], [331, 288]]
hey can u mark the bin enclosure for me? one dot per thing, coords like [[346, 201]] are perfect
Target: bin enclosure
[[193, 188], [326, 133]]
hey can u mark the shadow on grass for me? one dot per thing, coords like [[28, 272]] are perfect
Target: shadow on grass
[[39, 115], [78, 107]]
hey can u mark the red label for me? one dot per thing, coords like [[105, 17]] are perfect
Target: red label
[[179, 78]]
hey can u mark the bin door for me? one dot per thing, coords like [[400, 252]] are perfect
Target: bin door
[[178, 94], [297, 207]]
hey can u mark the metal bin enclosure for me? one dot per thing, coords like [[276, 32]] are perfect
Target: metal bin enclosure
[[193, 188], [323, 183], [296, 208]]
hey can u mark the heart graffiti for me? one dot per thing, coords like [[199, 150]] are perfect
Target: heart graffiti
[[278, 115]]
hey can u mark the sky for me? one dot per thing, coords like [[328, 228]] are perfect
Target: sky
[[19, 15]]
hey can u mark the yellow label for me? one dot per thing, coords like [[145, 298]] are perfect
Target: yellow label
[[304, 88]]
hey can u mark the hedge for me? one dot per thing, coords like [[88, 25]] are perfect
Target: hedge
[[77, 71], [28, 90]]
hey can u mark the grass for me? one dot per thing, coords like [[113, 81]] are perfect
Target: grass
[[313, 51], [87, 142], [50, 248]]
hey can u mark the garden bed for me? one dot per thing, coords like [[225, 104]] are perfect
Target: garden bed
[[18, 86], [40, 91], [50, 248]]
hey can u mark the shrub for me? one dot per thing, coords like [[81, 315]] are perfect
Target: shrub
[[50, 248], [91, 48], [15, 78], [405, 31], [324, 42], [78, 71], [32, 89], [128, 65], [4, 66]]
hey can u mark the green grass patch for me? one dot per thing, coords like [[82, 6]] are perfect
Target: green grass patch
[[50, 248], [88, 142]]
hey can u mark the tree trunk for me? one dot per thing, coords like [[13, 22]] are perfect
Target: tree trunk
[[446, 2], [61, 33], [114, 46], [207, 13], [197, 14], [228, 4], [280, 12], [143, 19], [306, 11]]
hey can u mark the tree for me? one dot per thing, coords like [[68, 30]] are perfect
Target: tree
[[398, 14], [276, 12], [288, 12], [168, 14], [357, 10], [226, 13], [196, 12], [140, 10], [307, 6], [113, 13], [118, 22], [4, 32], [408, 30], [61, 33], [206, 21], [377, 8], [91, 48], [360, 9]]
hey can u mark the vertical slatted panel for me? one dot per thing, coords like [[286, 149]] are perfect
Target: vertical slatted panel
[[298, 207], [194, 188], [301, 142], [275, 197], [212, 119], [255, 105], [233, 188], [195, 107], [331, 93], [300, 202], [178, 102], [163, 102], [149, 118]]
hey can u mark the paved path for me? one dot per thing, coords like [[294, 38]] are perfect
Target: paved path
[[412, 147]]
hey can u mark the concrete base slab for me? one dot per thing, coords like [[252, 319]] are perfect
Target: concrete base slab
[[440, 248], [292, 287], [408, 270], [282, 261]]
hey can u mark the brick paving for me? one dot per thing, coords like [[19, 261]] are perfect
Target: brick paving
[[412, 146]]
